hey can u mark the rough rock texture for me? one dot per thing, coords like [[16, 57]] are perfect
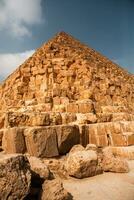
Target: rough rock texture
[[54, 190], [15, 177], [13, 140], [51, 141], [38, 167], [67, 83], [41, 142], [82, 164], [113, 164]]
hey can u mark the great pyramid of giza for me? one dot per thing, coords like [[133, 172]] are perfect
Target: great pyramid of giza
[[73, 94]]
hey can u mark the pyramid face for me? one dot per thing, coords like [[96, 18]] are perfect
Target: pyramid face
[[64, 67], [68, 78]]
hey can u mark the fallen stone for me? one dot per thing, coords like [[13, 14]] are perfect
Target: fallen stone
[[76, 148], [82, 164], [15, 177], [54, 190], [91, 147], [113, 164], [38, 167]]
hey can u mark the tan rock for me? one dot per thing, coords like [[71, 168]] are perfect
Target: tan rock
[[113, 164], [15, 177], [82, 164], [13, 140], [72, 108], [91, 147], [55, 118], [54, 190], [68, 135], [85, 107], [41, 142], [76, 148], [38, 167]]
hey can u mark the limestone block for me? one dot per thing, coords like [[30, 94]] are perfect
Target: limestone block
[[68, 135], [55, 118], [13, 140], [13, 119], [39, 119], [68, 118], [72, 108], [119, 140], [85, 107], [41, 142]]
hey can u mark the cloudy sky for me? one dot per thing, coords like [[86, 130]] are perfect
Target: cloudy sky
[[106, 25]]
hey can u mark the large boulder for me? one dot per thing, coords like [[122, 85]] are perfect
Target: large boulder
[[54, 190], [15, 177], [41, 142], [111, 163], [82, 164]]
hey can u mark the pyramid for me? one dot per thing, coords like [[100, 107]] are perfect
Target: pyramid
[[66, 93]]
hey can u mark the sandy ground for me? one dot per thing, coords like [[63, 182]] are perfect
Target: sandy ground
[[108, 186]]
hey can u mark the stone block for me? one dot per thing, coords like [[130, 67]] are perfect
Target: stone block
[[85, 107], [68, 136], [13, 140], [41, 142], [72, 108], [119, 140], [103, 140]]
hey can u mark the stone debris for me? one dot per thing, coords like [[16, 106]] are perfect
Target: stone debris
[[113, 164], [54, 190], [82, 163], [15, 176]]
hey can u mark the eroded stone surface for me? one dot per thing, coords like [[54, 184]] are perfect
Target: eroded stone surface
[[54, 190], [15, 177]]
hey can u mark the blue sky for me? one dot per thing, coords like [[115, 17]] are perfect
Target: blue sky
[[105, 25]]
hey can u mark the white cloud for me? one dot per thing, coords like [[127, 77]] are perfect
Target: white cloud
[[9, 62], [16, 16]]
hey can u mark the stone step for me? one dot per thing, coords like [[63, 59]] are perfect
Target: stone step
[[110, 133], [12, 119], [113, 117], [49, 141], [80, 107]]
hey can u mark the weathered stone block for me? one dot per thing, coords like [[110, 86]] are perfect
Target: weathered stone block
[[85, 107], [68, 135], [13, 140], [119, 140], [72, 108], [42, 142]]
